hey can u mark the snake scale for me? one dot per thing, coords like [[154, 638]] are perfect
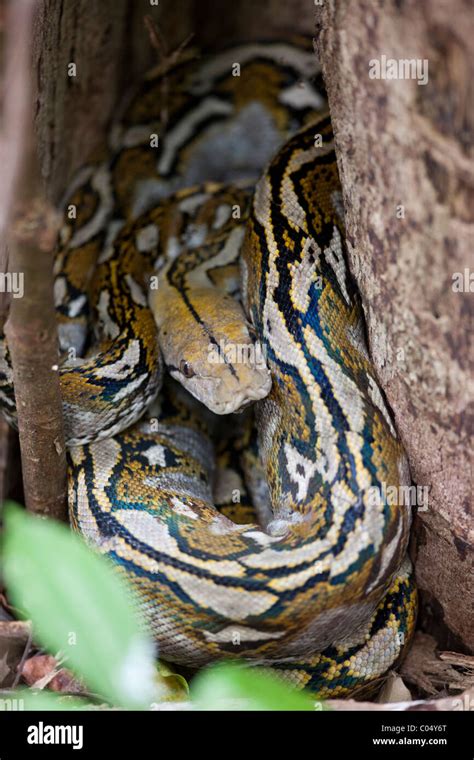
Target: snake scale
[[206, 244]]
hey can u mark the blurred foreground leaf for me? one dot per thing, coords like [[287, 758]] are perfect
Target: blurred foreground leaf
[[79, 606], [29, 699], [232, 687], [170, 686]]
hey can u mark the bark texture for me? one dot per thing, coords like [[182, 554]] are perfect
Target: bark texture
[[405, 159], [31, 332], [32, 339], [72, 110]]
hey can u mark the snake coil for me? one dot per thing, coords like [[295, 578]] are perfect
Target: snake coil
[[171, 261]]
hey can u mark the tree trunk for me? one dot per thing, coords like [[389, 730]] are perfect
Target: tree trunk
[[405, 159], [28, 231]]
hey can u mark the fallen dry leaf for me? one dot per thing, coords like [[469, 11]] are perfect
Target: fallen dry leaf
[[435, 673], [44, 671]]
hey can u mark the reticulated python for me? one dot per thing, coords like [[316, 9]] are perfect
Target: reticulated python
[[167, 252]]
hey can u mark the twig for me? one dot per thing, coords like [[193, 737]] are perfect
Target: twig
[[29, 225], [166, 61], [25, 654]]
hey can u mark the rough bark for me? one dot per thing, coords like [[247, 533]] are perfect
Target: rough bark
[[31, 327], [32, 339], [72, 111], [405, 159], [431, 672]]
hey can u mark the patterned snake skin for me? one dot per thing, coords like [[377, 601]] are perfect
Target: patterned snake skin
[[272, 540]]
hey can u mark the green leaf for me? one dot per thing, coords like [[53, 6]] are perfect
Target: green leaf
[[78, 606], [169, 686], [232, 687]]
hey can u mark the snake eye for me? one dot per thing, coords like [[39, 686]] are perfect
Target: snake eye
[[186, 369]]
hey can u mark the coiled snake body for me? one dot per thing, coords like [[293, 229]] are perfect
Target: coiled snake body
[[247, 297]]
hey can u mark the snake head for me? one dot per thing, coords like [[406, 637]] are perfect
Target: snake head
[[209, 347]]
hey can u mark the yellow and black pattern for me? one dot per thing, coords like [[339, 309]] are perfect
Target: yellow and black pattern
[[320, 589]]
